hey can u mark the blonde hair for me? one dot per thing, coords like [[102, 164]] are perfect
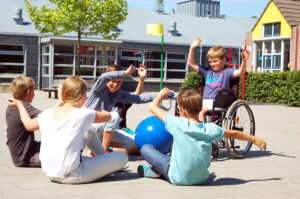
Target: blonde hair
[[216, 51], [73, 89], [190, 99], [114, 68], [20, 86]]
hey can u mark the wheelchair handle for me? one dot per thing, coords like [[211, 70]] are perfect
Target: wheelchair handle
[[169, 106]]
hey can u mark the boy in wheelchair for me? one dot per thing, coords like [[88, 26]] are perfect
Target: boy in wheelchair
[[190, 137], [215, 76]]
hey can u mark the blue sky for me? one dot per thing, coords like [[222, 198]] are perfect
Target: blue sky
[[236, 8]]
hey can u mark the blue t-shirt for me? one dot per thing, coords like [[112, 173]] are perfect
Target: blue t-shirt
[[215, 80], [191, 152]]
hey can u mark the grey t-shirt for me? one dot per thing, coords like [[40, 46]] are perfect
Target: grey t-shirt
[[100, 99], [215, 80], [21, 143]]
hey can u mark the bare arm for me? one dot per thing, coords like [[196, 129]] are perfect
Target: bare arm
[[262, 145], [154, 106], [30, 124], [142, 73], [241, 71], [191, 58], [102, 116]]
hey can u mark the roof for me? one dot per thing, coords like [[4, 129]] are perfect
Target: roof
[[228, 31], [290, 9]]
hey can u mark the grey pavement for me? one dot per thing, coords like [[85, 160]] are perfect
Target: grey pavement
[[274, 173]]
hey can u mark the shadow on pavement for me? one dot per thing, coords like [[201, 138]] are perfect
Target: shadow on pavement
[[232, 181]]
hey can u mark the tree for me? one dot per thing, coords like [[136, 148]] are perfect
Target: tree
[[86, 17]]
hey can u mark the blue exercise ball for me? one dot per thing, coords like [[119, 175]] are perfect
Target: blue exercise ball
[[152, 131]]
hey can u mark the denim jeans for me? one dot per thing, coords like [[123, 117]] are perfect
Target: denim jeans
[[158, 160]]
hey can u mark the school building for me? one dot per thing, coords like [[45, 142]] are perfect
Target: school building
[[275, 37], [48, 58]]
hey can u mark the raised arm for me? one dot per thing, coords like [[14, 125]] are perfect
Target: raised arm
[[154, 106], [29, 124], [191, 58], [262, 145], [142, 73], [241, 71]]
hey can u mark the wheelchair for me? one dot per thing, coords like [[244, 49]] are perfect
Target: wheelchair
[[230, 113]]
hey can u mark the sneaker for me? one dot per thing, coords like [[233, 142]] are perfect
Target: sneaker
[[147, 171], [92, 154]]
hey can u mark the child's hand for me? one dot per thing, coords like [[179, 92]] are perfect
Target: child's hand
[[196, 43], [245, 55], [262, 145], [130, 70], [13, 102], [165, 92], [142, 71]]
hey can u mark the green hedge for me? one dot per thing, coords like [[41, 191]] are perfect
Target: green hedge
[[278, 87]]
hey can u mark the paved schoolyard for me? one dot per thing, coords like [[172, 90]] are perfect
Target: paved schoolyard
[[274, 173]]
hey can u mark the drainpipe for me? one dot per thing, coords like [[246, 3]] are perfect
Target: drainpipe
[[296, 49], [39, 62]]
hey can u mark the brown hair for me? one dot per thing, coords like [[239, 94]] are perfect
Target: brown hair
[[73, 89], [20, 86], [190, 99], [216, 51], [114, 68]]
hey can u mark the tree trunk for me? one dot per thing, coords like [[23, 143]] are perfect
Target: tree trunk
[[77, 70]]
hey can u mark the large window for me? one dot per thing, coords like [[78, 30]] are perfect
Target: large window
[[272, 30], [63, 60], [12, 59]]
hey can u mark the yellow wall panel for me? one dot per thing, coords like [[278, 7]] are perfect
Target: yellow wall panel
[[271, 15]]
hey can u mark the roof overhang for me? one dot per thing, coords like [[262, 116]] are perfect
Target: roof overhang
[[85, 41]]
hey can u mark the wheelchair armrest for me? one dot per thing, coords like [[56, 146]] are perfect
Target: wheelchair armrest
[[226, 90]]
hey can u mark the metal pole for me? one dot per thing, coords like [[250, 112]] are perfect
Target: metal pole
[[161, 62]]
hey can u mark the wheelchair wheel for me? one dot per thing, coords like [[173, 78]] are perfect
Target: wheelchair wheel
[[239, 117]]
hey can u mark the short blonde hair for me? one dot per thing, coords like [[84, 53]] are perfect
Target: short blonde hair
[[114, 68], [216, 51], [20, 86], [190, 99], [73, 89]]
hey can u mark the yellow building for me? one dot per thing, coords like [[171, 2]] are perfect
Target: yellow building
[[275, 37]]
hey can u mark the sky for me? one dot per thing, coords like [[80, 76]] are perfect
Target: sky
[[234, 8]]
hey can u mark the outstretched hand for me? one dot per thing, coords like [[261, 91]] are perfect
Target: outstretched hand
[[262, 145], [164, 93], [130, 70], [245, 55], [196, 42], [13, 102], [142, 71]]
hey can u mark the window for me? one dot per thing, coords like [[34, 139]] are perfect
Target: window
[[272, 29], [12, 59], [267, 61], [45, 59]]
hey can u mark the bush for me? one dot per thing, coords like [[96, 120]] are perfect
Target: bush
[[278, 87]]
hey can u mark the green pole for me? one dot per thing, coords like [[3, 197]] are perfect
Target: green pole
[[161, 62]]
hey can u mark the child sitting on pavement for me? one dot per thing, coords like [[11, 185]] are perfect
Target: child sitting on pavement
[[192, 141], [215, 76], [65, 133], [104, 94], [23, 148]]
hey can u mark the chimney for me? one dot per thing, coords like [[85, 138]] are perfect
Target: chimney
[[172, 28], [18, 16], [159, 6]]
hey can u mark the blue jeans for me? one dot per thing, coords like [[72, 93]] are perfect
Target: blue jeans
[[158, 160]]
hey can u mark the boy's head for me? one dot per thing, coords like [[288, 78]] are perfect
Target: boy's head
[[216, 57], [22, 88], [115, 84], [190, 99], [73, 89]]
